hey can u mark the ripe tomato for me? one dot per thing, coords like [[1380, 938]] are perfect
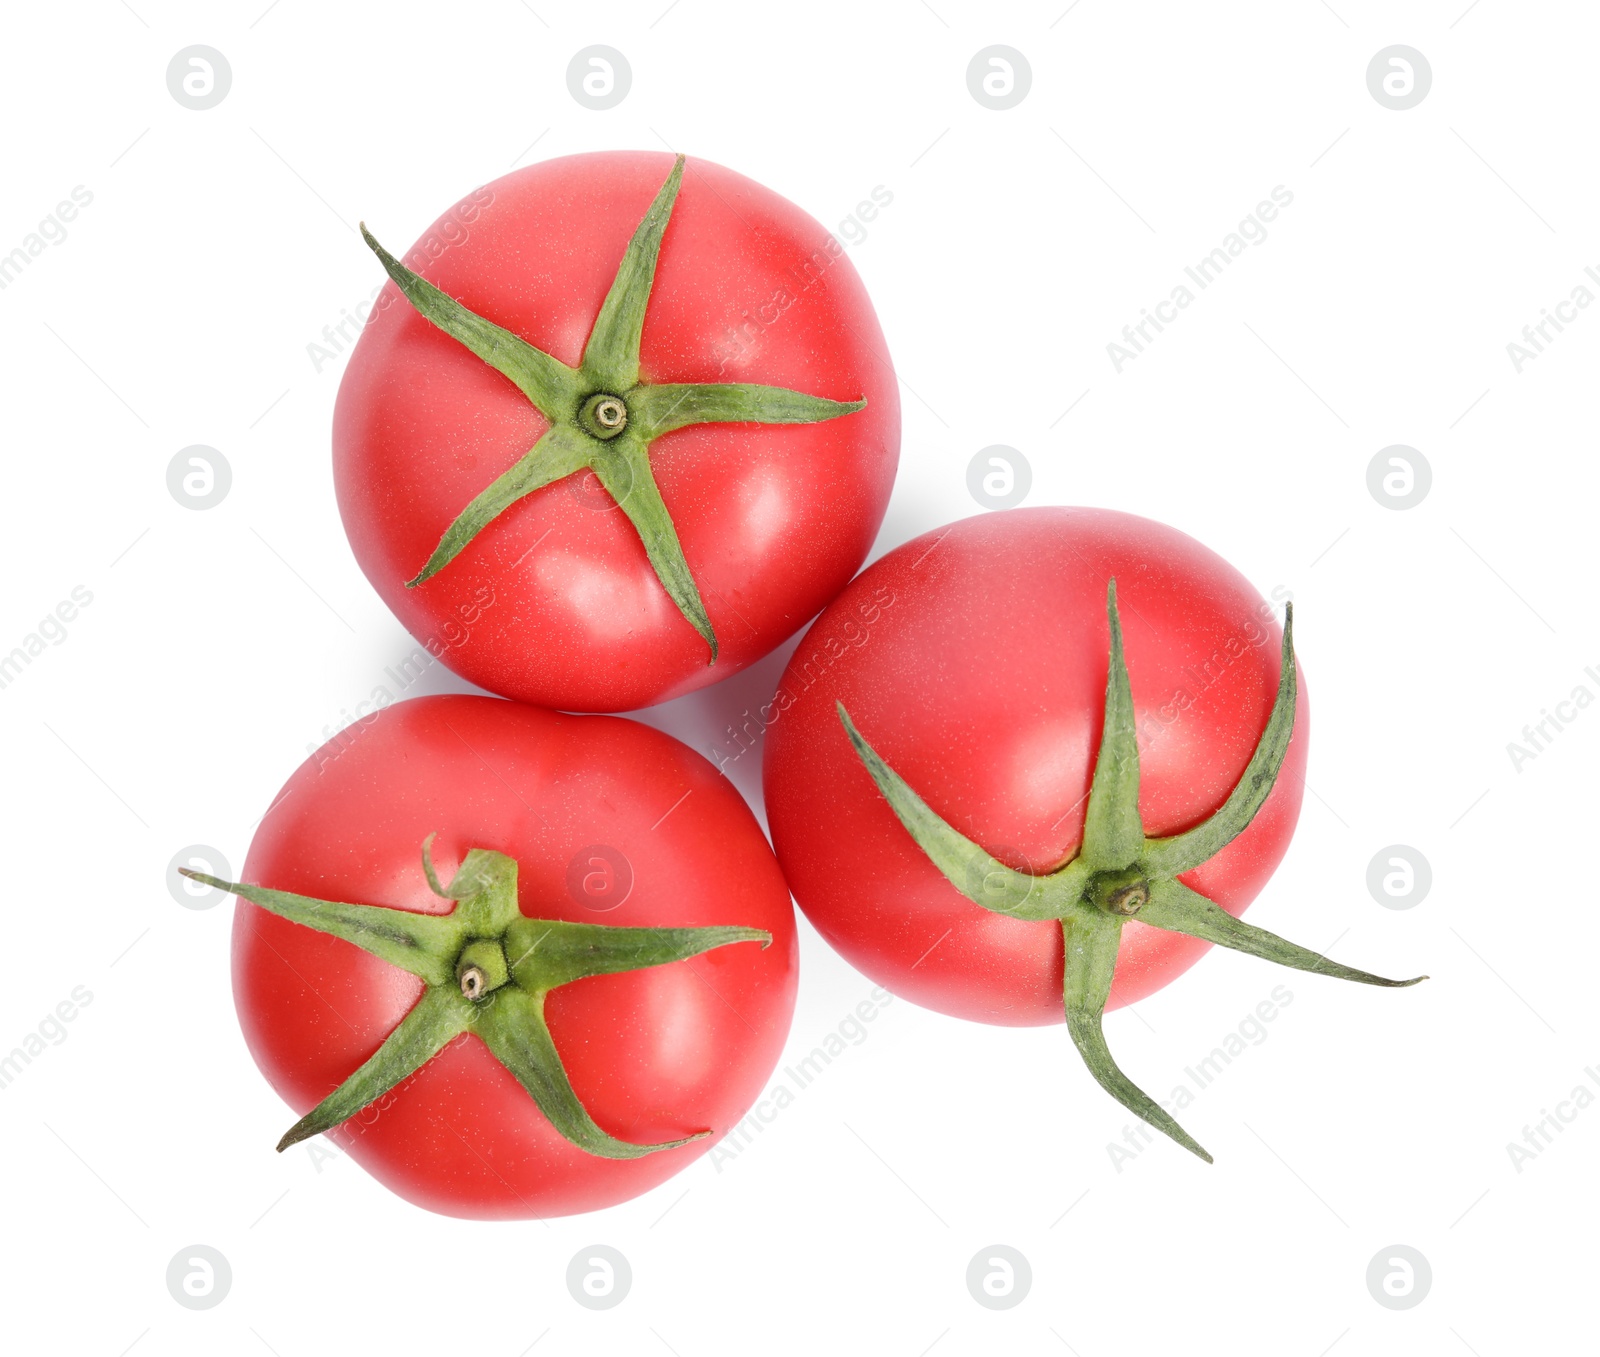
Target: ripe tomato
[[974, 660], [753, 522], [607, 822]]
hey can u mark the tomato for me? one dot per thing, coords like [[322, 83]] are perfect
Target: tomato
[[573, 529], [975, 661], [990, 817], [604, 822]]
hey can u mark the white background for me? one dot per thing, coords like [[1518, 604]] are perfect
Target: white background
[[220, 644]]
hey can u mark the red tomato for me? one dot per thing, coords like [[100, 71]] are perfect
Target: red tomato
[[555, 601], [974, 660], [654, 1055]]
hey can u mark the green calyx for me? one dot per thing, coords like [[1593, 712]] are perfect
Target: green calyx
[[487, 969], [602, 417], [1119, 873]]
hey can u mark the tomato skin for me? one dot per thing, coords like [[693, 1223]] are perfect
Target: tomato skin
[[774, 520], [654, 1054], [974, 660]]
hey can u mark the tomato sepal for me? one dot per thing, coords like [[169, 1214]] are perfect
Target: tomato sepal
[[971, 869], [1090, 940], [663, 409], [550, 952], [437, 1019], [423, 944], [611, 353], [1184, 852], [623, 469], [1178, 909], [514, 1030], [545, 380], [1113, 836], [559, 452]]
